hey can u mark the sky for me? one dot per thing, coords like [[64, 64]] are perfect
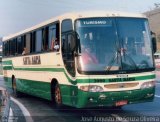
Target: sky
[[17, 15]]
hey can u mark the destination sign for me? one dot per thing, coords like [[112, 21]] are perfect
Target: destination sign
[[94, 22]]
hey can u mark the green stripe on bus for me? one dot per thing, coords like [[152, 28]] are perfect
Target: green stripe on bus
[[145, 77], [41, 69], [38, 69], [7, 67], [7, 62], [43, 90], [49, 70], [138, 78], [36, 88]]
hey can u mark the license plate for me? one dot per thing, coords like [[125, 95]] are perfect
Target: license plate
[[120, 103]]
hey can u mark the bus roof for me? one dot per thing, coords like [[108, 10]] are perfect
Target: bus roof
[[76, 15]]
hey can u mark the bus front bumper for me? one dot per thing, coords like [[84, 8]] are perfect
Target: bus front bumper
[[120, 98]]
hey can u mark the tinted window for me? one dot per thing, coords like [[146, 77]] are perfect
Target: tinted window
[[67, 51], [5, 48], [38, 40], [67, 25], [54, 37], [33, 42], [28, 41], [45, 38], [13, 47], [19, 45]]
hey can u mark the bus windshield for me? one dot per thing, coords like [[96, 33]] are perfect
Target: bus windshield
[[113, 44]]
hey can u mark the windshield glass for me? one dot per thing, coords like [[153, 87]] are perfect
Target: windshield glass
[[113, 44]]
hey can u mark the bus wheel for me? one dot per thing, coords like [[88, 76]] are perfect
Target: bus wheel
[[14, 88], [57, 96]]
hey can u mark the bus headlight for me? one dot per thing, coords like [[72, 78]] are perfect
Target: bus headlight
[[148, 84], [92, 88]]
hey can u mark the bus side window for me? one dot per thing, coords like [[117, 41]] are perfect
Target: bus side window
[[13, 47], [45, 39], [28, 41], [24, 44], [38, 40], [33, 42], [5, 48], [19, 45], [54, 37]]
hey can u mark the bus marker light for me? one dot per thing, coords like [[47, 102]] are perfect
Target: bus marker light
[[102, 97], [120, 103], [150, 95], [91, 99], [148, 84]]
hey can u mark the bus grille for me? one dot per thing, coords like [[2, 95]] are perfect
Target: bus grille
[[121, 85]]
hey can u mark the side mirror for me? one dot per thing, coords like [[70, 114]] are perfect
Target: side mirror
[[154, 42]]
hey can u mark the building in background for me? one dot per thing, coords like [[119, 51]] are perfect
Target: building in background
[[154, 20]]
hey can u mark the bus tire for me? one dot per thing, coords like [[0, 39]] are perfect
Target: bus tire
[[14, 88], [57, 97]]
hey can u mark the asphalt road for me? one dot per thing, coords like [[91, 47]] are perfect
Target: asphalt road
[[29, 108]]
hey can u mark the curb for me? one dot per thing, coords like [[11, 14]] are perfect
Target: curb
[[5, 112], [5, 105]]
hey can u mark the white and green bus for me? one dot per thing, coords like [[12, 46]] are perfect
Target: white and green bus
[[55, 67]]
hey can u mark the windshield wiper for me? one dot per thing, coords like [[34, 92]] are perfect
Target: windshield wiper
[[113, 60], [119, 54], [125, 55]]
